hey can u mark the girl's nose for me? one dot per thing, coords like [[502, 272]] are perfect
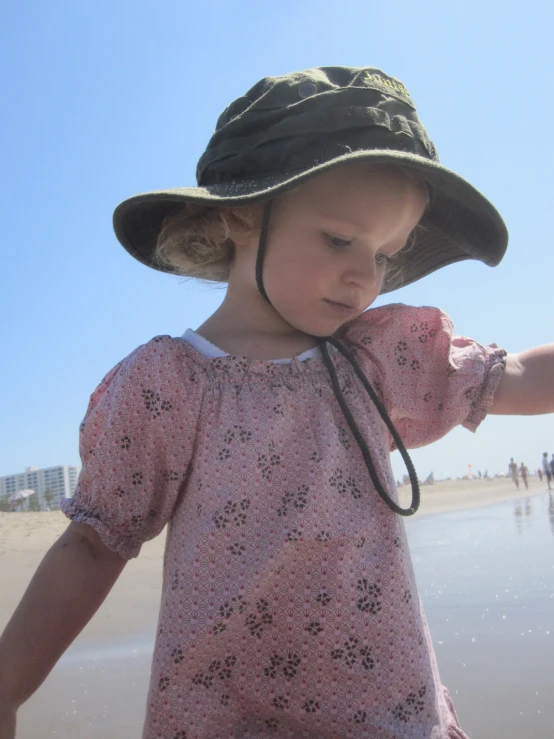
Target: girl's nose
[[365, 274]]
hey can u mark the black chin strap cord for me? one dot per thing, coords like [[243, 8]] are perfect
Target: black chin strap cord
[[340, 397], [414, 505], [261, 249]]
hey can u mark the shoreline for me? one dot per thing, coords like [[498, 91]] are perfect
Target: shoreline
[[462, 495]]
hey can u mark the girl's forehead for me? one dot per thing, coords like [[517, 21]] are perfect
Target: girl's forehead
[[349, 192], [344, 183]]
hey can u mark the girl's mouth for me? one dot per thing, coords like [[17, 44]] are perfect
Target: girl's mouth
[[341, 308]]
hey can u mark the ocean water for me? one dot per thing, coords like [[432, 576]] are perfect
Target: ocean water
[[486, 579]]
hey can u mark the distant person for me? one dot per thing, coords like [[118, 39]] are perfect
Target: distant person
[[552, 466], [523, 471], [546, 469], [513, 472], [539, 473]]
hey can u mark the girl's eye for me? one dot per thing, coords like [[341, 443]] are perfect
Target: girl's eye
[[336, 242]]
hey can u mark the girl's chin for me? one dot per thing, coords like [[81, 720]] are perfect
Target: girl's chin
[[325, 323]]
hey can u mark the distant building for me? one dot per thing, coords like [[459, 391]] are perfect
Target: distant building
[[60, 480]]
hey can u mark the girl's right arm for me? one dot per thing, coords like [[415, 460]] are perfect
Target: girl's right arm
[[67, 589]]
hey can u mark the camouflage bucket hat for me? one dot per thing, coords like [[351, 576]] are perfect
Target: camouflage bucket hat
[[287, 129]]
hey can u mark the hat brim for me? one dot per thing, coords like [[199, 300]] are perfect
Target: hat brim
[[459, 224]]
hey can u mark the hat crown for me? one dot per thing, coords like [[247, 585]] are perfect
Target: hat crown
[[288, 123], [271, 93]]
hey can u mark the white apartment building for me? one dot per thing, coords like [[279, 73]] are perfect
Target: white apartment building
[[60, 480]]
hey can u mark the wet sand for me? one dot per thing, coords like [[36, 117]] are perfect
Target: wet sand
[[98, 689]]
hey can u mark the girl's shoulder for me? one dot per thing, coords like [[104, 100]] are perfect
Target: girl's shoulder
[[165, 352], [397, 320], [161, 362], [160, 346], [160, 351]]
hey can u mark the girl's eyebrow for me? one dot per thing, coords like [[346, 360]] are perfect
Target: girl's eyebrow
[[338, 221]]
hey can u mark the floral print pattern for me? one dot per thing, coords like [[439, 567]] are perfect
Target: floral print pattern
[[289, 604]]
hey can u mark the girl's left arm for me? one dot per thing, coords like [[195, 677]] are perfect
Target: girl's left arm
[[527, 385]]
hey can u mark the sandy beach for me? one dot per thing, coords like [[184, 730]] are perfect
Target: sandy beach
[[99, 687]]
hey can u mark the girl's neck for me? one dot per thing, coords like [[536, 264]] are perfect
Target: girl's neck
[[246, 325], [232, 337]]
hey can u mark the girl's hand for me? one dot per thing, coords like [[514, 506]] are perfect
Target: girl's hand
[[7, 723]]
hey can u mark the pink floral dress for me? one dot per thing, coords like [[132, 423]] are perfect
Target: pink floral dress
[[289, 604]]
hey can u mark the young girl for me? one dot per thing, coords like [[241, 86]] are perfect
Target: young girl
[[289, 605]]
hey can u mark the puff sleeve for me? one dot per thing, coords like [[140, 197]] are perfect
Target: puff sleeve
[[430, 380], [136, 445]]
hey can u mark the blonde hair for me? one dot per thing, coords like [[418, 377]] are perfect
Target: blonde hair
[[394, 271], [196, 240]]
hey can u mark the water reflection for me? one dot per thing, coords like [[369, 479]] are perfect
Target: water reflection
[[489, 599], [523, 509]]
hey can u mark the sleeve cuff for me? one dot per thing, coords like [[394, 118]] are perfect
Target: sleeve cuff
[[495, 363], [124, 546]]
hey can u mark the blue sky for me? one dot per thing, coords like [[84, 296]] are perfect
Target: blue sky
[[106, 99]]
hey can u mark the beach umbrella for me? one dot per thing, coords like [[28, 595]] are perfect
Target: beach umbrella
[[20, 495]]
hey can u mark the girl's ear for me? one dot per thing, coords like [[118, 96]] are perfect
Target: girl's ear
[[241, 223]]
